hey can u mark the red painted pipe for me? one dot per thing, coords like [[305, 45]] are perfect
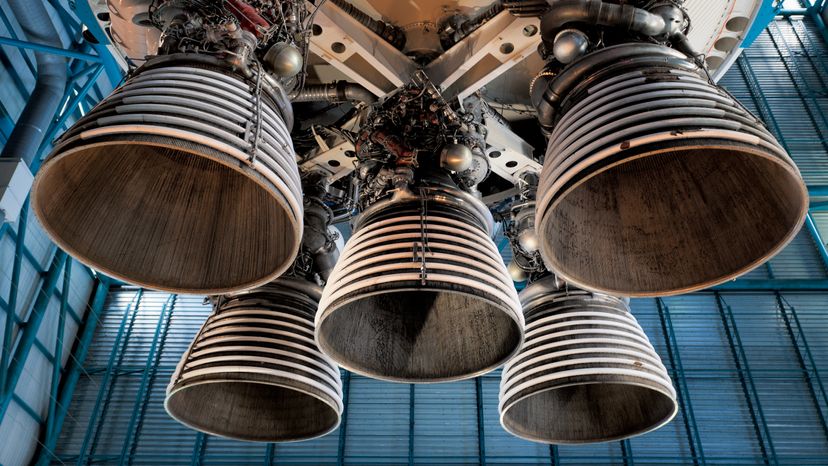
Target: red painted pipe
[[248, 17]]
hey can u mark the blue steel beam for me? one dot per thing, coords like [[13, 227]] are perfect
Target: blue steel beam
[[747, 382], [481, 430], [47, 49], [270, 450], [682, 389], [26, 59], [343, 426], [57, 127], [813, 11], [805, 357], [29, 333], [201, 445], [106, 386], [554, 457], [28, 409], [74, 368], [626, 453], [58, 352], [85, 14], [11, 309], [69, 22], [135, 421], [817, 237], [411, 424], [798, 78], [818, 191]]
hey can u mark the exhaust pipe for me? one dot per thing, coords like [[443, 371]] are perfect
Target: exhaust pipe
[[587, 372], [253, 371], [656, 181], [420, 293], [183, 180]]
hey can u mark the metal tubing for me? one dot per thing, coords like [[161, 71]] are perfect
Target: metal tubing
[[601, 13], [389, 32], [335, 92], [44, 99], [57, 127]]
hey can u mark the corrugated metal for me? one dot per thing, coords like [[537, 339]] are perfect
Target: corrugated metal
[[717, 368], [749, 368]]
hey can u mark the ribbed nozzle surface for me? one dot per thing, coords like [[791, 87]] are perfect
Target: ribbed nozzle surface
[[587, 372], [253, 371], [420, 294], [657, 182], [164, 184]]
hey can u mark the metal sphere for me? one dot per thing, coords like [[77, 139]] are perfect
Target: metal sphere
[[528, 240], [456, 157], [517, 273], [284, 60], [569, 45]]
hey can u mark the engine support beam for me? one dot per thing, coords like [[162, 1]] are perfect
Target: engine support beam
[[358, 52], [488, 52]]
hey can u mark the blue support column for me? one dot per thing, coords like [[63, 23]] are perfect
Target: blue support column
[[58, 351], [270, 450], [481, 430], [343, 426], [806, 360], [199, 447], [682, 389], [554, 457], [28, 333], [626, 453], [105, 387], [73, 370], [11, 308], [411, 425], [747, 382], [57, 126], [139, 407], [817, 237]]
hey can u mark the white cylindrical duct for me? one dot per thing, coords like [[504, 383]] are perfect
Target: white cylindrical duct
[[587, 372], [183, 180], [253, 371], [656, 181], [420, 292]]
